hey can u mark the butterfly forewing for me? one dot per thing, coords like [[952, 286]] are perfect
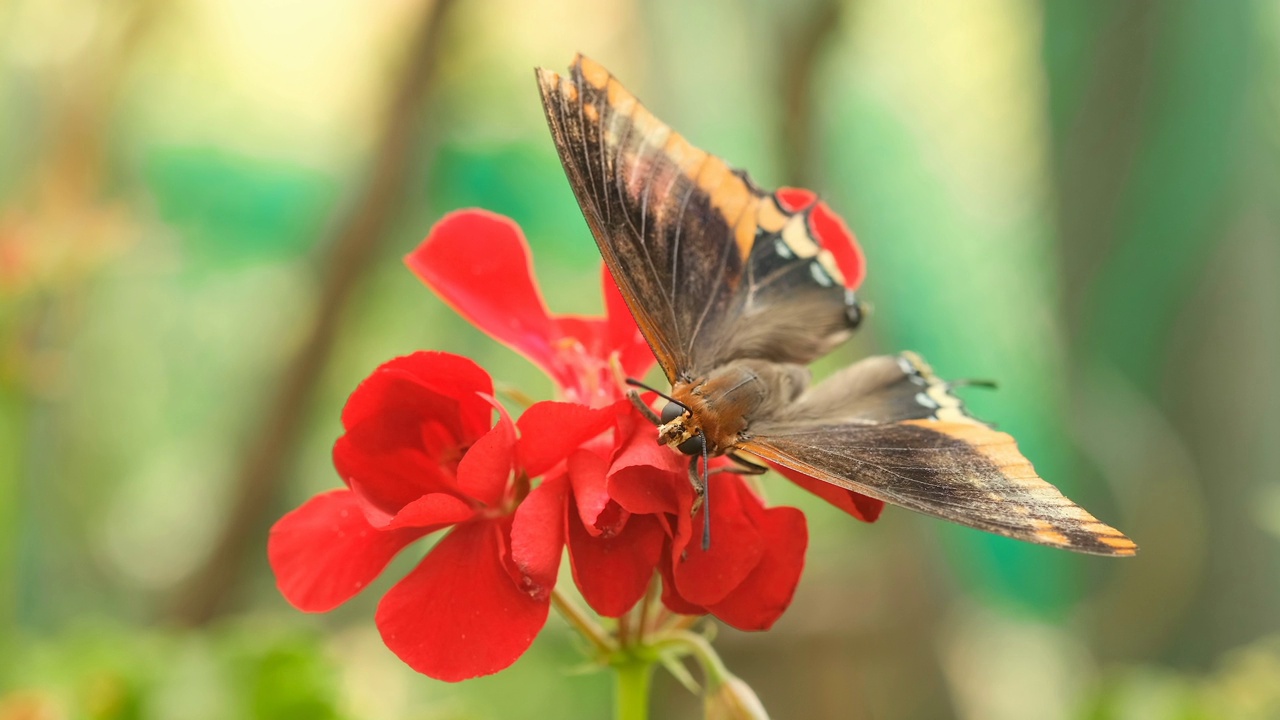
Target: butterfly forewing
[[712, 267], [675, 261]]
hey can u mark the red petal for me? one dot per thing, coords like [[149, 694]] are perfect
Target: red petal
[[537, 533], [325, 551], [858, 505], [405, 427], [485, 470], [624, 335], [387, 481], [583, 358], [394, 410], [646, 477], [551, 431], [443, 374], [590, 494], [458, 615], [831, 231], [614, 572], [432, 511], [478, 262], [457, 377], [671, 597], [766, 593], [590, 332], [706, 577]]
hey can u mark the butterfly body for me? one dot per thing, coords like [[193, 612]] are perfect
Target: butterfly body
[[736, 290], [720, 406]]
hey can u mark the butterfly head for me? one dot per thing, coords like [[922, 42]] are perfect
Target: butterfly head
[[678, 429]]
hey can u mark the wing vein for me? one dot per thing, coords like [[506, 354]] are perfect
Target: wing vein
[[725, 253]]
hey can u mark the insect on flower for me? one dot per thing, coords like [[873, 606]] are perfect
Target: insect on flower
[[735, 292], [619, 504]]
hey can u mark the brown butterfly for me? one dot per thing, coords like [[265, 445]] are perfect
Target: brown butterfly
[[735, 295]]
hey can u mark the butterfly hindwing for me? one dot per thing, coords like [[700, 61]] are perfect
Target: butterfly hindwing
[[792, 305], [887, 428]]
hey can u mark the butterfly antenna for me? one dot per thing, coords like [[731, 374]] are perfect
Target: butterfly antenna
[[965, 382], [636, 383], [706, 497]]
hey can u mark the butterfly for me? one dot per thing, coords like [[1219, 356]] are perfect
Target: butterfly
[[735, 294]]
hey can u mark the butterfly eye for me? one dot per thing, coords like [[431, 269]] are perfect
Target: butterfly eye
[[671, 412], [692, 446]]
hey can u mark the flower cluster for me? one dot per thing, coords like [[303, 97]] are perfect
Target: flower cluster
[[426, 448]]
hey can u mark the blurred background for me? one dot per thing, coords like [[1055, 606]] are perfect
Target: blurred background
[[204, 203]]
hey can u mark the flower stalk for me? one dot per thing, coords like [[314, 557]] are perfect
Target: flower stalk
[[588, 628], [633, 676]]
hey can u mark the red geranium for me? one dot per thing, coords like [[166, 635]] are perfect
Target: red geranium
[[471, 252], [479, 263], [421, 452], [619, 502]]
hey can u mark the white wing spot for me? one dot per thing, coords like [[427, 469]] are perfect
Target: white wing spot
[[820, 276], [910, 371]]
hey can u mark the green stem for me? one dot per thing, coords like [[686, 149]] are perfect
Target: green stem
[[696, 645], [642, 615], [624, 630], [634, 675], [589, 629]]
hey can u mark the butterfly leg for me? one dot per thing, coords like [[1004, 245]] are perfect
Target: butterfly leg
[[645, 410], [699, 486]]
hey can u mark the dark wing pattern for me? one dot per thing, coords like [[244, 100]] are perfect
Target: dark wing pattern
[[886, 427], [791, 305], [695, 246]]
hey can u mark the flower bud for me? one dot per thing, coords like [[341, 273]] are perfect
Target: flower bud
[[733, 699]]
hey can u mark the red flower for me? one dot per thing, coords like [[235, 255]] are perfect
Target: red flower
[[469, 253], [613, 552], [749, 573], [478, 262], [420, 454], [612, 533], [622, 505]]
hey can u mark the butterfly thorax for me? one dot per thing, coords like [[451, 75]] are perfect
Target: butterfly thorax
[[722, 403]]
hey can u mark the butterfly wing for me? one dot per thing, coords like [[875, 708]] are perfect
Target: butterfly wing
[[886, 427], [696, 248]]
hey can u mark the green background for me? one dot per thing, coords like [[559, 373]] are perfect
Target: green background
[[203, 209]]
